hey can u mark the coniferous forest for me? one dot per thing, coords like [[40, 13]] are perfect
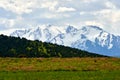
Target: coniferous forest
[[21, 47]]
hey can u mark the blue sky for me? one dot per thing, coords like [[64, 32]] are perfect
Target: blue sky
[[26, 13]]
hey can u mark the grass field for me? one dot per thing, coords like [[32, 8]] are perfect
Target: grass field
[[59, 69]]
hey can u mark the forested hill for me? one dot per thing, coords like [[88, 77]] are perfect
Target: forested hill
[[17, 47]]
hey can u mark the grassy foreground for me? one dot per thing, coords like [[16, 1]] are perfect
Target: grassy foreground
[[59, 69], [61, 75]]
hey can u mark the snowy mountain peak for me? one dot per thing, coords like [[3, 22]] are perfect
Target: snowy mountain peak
[[89, 38], [19, 33], [91, 32], [89, 28], [71, 29], [95, 27]]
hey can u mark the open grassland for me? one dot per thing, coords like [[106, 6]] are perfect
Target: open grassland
[[59, 64], [61, 75], [59, 69]]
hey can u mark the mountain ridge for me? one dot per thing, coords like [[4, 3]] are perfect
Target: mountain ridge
[[90, 38]]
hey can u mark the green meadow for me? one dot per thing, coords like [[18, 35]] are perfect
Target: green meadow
[[60, 68]]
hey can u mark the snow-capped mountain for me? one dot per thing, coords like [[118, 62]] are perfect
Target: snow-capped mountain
[[89, 38], [42, 33]]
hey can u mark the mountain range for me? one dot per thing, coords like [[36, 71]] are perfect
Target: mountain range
[[89, 38]]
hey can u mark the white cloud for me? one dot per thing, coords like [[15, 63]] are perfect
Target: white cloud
[[88, 1], [49, 16], [54, 16], [65, 9], [110, 5], [17, 6], [7, 22], [82, 13], [104, 13], [108, 15], [93, 23], [50, 5]]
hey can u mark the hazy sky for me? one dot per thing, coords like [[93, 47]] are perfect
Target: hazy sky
[[27, 13]]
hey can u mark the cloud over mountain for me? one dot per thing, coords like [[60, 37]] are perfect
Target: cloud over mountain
[[26, 13]]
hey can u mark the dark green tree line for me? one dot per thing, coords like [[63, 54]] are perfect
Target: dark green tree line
[[21, 47]]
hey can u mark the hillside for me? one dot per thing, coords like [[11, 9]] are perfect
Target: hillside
[[21, 47]]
